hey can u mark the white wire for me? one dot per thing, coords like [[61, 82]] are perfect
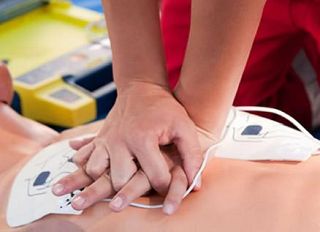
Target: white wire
[[214, 146]]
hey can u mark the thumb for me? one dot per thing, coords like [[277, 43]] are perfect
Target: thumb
[[189, 148]]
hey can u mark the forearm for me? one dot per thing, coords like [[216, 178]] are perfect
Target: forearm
[[135, 35], [221, 36]]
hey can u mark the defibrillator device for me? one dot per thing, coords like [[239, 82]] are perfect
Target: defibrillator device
[[60, 60]]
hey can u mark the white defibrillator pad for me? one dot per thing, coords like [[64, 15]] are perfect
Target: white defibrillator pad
[[31, 196], [250, 137]]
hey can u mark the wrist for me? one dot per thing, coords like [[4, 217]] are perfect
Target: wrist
[[206, 138], [141, 87], [208, 114], [145, 80]]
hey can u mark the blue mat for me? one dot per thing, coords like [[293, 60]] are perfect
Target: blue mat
[[91, 4]]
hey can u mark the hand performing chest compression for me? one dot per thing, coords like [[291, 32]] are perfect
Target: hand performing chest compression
[[139, 185], [125, 158], [127, 151]]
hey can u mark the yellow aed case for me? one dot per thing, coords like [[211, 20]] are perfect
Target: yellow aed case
[[43, 47]]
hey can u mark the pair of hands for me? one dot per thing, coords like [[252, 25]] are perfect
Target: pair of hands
[[147, 142]]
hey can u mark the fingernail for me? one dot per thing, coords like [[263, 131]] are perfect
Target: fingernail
[[168, 209], [116, 203], [79, 201], [58, 188]]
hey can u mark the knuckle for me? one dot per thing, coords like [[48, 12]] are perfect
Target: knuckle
[[160, 181], [141, 175], [78, 160], [93, 172], [82, 155], [119, 182], [91, 193]]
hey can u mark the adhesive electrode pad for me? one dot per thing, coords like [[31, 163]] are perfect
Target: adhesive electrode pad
[[267, 139]]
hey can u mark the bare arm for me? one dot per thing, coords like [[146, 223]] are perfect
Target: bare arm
[[134, 30], [221, 36], [146, 114]]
